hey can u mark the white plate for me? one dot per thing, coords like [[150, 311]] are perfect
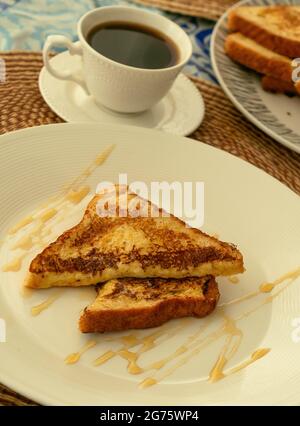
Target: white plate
[[275, 114], [180, 112], [242, 204]]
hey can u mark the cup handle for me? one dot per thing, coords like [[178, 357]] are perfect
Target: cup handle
[[61, 41]]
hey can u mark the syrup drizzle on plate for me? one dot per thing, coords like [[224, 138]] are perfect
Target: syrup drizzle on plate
[[196, 343], [75, 357], [47, 216], [36, 310]]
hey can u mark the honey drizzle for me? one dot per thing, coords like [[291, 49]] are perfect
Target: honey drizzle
[[36, 310], [76, 196], [20, 225], [14, 265], [75, 357], [227, 352], [194, 348], [256, 355], [231, 346], [146, 343], [267, 287], [233, 279], [150, 381], [99, 160], [26, 292], [195, 344], [240, 299], [73, 193]]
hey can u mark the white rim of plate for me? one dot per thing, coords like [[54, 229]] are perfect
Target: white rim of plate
[[20, 387]]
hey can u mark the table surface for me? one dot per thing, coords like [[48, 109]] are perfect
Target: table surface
[[25, 24]]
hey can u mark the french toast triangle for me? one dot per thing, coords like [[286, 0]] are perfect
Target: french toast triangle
[[109, 246]]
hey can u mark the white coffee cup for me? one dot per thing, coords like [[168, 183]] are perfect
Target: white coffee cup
[[120, 87]]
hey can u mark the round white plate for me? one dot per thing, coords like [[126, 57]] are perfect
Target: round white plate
[[242, 205], [275, 114], [180, 112]]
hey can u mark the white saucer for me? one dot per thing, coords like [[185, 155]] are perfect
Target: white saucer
[[180, 112]]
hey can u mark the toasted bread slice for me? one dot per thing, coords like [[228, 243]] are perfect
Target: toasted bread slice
[[274, 27], [275, 85], [297, 87], [142, 303], [251, 54], [102, 248]]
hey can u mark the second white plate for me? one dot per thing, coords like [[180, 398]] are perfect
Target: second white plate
[[275, 114]]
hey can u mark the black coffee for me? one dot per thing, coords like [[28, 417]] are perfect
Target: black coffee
[[134, 45]]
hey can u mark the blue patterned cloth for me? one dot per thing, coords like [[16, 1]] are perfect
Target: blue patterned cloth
[[25, 24]]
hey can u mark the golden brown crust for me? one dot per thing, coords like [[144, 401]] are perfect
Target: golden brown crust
[[265, 36], [297, 87], [93, 264], [275, 85], [46, 280], [245, 52], [103, 248], [135, 316]]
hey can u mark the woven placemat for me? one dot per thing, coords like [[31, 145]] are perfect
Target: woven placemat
[[21, 105], [211, 9], [10, 398]]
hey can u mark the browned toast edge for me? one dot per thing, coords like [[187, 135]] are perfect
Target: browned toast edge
[[146, 317], [254, 60], [275, 85], [38, 275], [275, 42]]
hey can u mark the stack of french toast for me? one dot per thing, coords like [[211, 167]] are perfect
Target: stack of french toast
[[266, 39], [147, 267]]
